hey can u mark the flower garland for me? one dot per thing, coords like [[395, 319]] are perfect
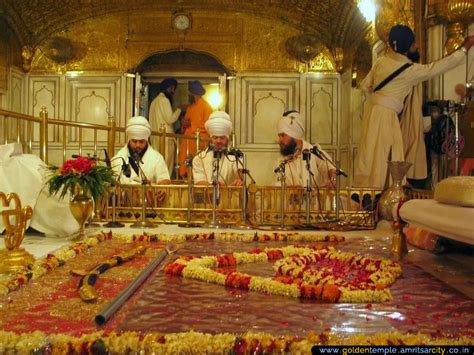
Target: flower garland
[[294, 278], [254, 237], [196, 342], [59, 257]]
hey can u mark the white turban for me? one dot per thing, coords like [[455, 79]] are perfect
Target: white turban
[[291, 125], [138, 127], [219, 124]]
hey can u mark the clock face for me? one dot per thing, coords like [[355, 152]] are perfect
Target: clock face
[[182, 22]]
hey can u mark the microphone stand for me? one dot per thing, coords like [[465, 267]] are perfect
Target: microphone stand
[[308, 192], [143, 223], [244, 221], [113, 223], [189, 166], [281, 170], [339, 172], [215, 192]]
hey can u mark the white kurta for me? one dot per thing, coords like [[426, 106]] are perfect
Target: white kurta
[[381, 131], [161, 113], [297, 174], [153, 165], [203, 168], [26, 174]]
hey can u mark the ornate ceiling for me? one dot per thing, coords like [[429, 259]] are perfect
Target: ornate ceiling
[[336, 23]]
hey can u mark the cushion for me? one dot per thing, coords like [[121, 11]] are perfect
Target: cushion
[[456, 190], [424, 239]]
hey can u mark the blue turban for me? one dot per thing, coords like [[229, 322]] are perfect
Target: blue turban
[[196, 88], [166, 83], [401, 38]]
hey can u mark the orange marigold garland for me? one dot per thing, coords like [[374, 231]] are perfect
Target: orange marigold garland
[[340, 277]]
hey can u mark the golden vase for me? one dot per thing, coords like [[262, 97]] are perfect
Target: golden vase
[[81, 206]]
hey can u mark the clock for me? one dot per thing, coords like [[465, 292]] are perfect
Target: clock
[[181, 22]]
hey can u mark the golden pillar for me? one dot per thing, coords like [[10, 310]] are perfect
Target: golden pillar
[[111, 136], [43, 139]]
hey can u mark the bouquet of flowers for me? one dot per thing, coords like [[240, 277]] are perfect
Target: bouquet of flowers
[[82, 173]]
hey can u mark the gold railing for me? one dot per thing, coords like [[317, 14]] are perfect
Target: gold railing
[[70, 137], [169, 203]]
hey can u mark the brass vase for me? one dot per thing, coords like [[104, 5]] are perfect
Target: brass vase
[[395, 193], [81, 206]]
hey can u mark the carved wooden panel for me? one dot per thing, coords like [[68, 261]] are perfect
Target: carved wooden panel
[[262, 101]]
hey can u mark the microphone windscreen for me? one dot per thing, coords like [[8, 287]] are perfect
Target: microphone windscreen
[[126, 170], [211, 147], [306, 154], [133, 163]]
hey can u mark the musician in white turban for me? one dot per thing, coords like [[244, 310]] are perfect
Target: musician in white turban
[[219, 128], [291, 134], [140, 156]]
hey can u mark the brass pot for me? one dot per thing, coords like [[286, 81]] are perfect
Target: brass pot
[[81, 206]]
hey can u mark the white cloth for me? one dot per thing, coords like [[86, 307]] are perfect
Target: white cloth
[[292, 125], [297, 174], [26, 174], [218, 124], [449, 221], [138, 127], [161, 113], [153, 165], [203, 168], [381, 130]]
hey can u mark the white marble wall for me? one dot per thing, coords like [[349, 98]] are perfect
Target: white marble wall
[[257, 101], [83, 98]]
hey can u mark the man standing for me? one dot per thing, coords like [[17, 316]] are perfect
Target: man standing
[[292, 144], [140, 155], [161, 113], [219, 128], [393, 82], [196, 115]]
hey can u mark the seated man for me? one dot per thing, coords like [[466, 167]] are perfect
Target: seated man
[[140, 155], [26, 174], [291, 139], [219, 128], [145, 162]]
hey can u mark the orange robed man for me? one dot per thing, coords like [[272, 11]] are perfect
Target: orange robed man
[[197, 114]]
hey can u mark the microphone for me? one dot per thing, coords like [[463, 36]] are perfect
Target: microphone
[[280, 168], [137, 158], [316, 151], [211, 147], [219, 153], [126, 169], [134, 164], [306, 155], [235, 152], [107, 159]]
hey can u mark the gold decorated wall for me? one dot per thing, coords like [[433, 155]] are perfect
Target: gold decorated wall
[[119, 42]]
